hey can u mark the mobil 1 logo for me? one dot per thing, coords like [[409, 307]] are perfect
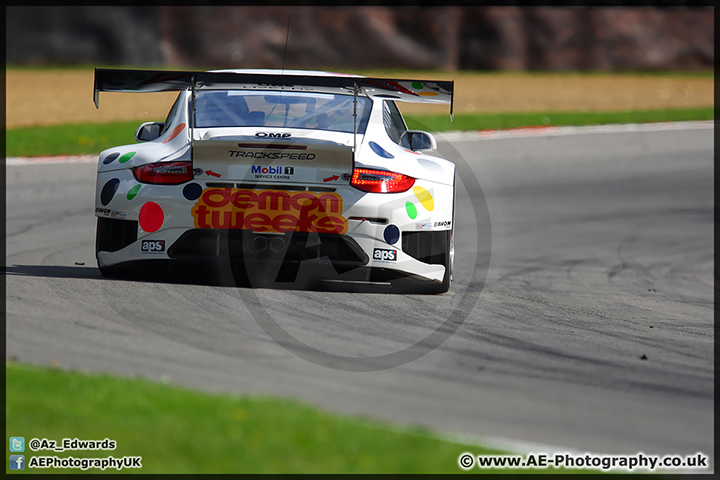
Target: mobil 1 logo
[[152, 247], [383, 255]]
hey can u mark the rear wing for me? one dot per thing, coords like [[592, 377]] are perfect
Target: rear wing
[[416, 91]]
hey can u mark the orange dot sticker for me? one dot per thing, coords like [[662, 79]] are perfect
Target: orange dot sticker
[[176, 131]]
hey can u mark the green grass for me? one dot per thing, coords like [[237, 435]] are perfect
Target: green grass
[[177, 430], [89, 138], [68, 139], [484, 121]]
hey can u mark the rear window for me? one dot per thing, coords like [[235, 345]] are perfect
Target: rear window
[[246, 108], [171, 115], [393, 121]]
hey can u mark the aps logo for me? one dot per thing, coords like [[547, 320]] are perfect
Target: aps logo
[[385, 255], [152, 246]]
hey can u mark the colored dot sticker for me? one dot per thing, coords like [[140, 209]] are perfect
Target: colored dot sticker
[[425, 198], [417, 85], [108, 191], [192, 191], [428, 94], [151, 217], [133, 191], [430, 166], [110, 158], [176, 131], [411, 210], [380, 151], [391, 234], [126, 157]]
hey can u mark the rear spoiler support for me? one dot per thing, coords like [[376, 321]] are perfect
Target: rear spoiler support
[[192, 115], [355, 94]]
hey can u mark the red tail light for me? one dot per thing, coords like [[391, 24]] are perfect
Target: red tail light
[[167, 173], [380, 181]]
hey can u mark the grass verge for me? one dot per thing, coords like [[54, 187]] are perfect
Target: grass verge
[[68, 139], [177, 430], [486, 121], [90, 138]]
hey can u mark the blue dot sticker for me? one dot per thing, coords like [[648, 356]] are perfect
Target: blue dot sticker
[[110, 158], [380, 151], [108, 191], [192, 191], [391, 234]]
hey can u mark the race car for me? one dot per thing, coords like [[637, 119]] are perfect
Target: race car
[[291, 177]]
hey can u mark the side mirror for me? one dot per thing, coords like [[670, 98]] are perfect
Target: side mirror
[[418, 140], [148, 131]]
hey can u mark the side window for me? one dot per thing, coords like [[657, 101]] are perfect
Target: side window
[[394, 123], [171, 115]]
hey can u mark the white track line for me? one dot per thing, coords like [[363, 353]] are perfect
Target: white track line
[[15, 161], [551, 131]]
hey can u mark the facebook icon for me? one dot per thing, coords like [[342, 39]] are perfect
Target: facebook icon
[[17, 462]]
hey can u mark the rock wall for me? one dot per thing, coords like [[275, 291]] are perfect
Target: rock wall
[[554, 38], [346, 38], [42, 35]]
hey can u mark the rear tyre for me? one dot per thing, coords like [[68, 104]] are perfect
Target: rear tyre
[[103, 236], [450, 254], [448, 263]]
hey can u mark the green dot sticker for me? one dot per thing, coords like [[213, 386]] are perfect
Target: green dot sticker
[[411, 210], [133, 191], [126, 157], [417, 85]]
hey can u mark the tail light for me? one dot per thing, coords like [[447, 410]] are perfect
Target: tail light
[[380, 181], [167, 173]]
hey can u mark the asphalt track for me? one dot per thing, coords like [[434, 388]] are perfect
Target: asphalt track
[[593, 331]]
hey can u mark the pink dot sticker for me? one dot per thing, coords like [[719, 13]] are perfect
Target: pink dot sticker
[[151, 217]]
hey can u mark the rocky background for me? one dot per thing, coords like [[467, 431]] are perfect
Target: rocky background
[[350, 37]]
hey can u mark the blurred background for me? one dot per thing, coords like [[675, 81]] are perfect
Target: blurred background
[[632, 38]]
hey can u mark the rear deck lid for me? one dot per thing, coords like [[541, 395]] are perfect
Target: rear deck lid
[[276, 158]]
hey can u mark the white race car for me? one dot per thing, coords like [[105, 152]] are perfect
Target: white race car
[[295, 177]]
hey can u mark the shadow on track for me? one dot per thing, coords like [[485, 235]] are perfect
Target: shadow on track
[[210, 274], [159, 276]]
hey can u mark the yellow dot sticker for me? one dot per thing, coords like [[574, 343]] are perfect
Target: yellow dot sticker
[[425, 198]]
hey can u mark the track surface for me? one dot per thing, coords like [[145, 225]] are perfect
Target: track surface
[[602, 252]]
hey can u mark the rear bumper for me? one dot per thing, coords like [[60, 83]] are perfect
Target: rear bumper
[[343, 252], [181, 235]]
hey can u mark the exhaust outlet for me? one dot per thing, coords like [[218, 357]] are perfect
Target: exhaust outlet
[[259, 243], [277, 244]]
